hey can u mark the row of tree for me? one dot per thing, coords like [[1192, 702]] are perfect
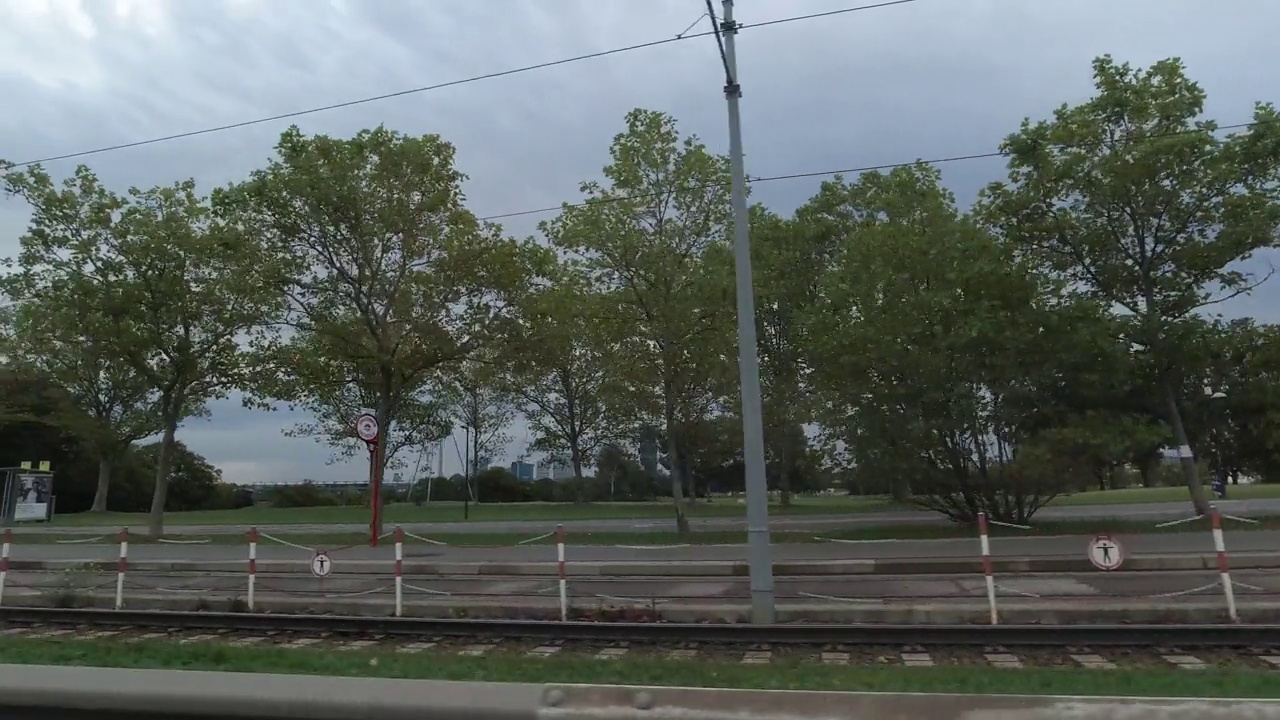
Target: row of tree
[[971, 360]]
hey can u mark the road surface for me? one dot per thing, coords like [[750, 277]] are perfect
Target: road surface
[[1155, 512], [1258, 541]]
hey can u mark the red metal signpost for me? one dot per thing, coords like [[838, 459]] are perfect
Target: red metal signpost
[[367, 430]]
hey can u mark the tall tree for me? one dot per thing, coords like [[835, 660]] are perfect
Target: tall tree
[[484, 407], [788, 255], [389, 279], [108, 404], [155, 278], [931, 348], [1135, 200], [559, 372], [653, 240]]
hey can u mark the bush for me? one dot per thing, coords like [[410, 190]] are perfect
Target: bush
[[300, 495]]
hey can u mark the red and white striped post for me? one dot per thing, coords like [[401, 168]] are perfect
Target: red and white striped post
[[564, 586], [121, 566], [4, 561], [986, 567], [1224, 569], [253, 566], [399, 571]]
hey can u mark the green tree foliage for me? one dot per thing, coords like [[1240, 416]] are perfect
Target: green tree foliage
[[389, 279], [653, 242], [933, 354], [559, 372], [784, 254], [157, 283], [108, 406], [1134, 199], [484, 407], [1243, 424]]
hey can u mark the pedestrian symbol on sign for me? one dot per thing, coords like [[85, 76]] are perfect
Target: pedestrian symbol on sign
[[321, 565], [1105, 553]]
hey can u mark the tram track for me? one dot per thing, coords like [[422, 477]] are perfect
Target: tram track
[[790, 634], [1109, 647]]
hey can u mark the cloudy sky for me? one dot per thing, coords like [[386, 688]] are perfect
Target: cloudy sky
[[932, 78]]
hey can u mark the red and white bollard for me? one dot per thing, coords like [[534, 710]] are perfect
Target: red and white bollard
[[986, 568], [564, 586], [121, 566], [399, 571], [253, 566], [1224, 569], [4, 561]]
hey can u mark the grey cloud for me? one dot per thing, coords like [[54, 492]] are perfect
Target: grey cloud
[[930, 79]]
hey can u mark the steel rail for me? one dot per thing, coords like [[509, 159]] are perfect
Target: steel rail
[[1219, 636]]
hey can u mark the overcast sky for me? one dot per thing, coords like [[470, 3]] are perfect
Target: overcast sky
[[932, 78]]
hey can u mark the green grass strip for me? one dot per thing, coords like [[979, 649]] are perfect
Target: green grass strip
[[785, 674], [1120, 528]]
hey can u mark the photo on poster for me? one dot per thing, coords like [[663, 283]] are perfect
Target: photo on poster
[[34, 492]]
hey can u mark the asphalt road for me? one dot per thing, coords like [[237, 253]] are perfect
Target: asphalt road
[[1164, 587], [1155, 512], [1260, 541]]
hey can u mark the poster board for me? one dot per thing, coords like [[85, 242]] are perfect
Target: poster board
[[33, 496]]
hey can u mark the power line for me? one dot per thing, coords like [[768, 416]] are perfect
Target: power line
[[440, 86], [853, 170], [724, 60]]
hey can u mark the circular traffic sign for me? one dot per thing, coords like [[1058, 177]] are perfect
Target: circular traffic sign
[[321, 565], [1105, 553], [367, 428]]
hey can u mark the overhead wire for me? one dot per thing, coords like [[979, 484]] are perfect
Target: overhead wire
[[845, 171], [724, 58], [451, 83]]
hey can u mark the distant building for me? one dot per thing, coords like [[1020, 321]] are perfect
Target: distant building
[[523, 471]]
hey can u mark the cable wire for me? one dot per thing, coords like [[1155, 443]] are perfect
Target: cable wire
[[729, 80], [439, 86], [850, 171]]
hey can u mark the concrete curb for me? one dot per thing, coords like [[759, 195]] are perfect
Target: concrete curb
[[694, 568], [931, 612], [77, 693]]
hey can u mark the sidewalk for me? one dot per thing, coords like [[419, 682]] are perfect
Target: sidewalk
[[675, 568]]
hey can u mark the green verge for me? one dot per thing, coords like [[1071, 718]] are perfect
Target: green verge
[[779, 675], [483, 512], [331, 541]]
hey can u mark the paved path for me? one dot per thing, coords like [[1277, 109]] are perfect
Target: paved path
[[1258, 541], [1155, 512], [1165, 587]]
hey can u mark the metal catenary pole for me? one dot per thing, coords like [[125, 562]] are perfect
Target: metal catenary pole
[[758, 552]]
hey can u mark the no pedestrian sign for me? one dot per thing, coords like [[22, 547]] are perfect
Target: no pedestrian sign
[[367, 428], [1105, 553], [321, 565]]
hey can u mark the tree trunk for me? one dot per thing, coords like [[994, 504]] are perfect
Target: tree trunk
[[575, 460], [1146, 471], [104, 484], [1189, 470], [155, 522], [380, 457], [786, 458], [677, 482]]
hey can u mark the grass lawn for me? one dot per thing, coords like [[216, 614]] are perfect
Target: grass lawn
[[330, 541], [405, 513], [453, 512], [784, 674], [1163, 494]]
